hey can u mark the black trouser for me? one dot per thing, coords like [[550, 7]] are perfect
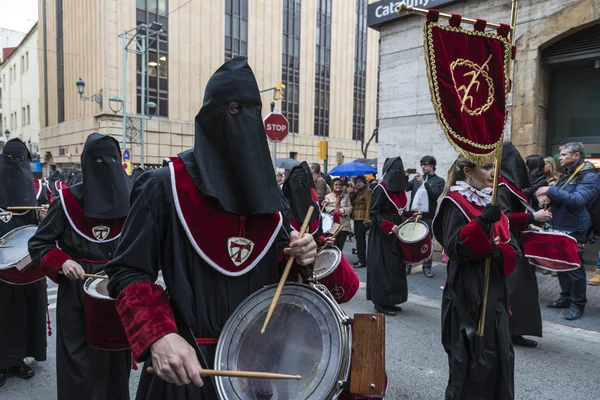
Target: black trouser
[[360, 233], [573, 283], [340, 240], [427, 264]]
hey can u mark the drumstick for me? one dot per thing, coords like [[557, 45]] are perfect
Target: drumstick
[[90, 275], [416, 220], [5, 247], [286, 272], [15, 208], [332, 237], [240, 374]]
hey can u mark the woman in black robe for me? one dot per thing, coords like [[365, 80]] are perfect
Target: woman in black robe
[[535, 165], [478, 370], [526, 317], [79, 235], [22, 307], [386, 275]]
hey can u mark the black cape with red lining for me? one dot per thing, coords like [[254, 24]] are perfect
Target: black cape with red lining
[[386, 275], [526, 316], [22, 309], [487, 377], [98, 374], [201, 298]]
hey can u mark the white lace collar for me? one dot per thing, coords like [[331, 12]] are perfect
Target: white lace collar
[[478, 197]]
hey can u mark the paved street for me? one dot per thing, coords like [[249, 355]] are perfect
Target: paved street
[[564, 366]]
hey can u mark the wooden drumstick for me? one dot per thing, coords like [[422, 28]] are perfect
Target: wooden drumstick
[[17, 208], [286, 272], [90, 275], [240, 374], [416, 220], [332, 237], [5, 247]]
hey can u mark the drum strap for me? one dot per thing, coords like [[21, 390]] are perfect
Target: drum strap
[[206, 340]]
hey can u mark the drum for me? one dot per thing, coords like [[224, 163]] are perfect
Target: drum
[[551, 250], [103, 326], [15, 260], [415, 243], [308, 335], [326, 262], [326, 222]]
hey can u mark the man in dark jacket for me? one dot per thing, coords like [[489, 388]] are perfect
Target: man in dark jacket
[[569, 199], [435, 187]]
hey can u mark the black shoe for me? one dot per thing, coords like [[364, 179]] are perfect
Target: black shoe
[[563, 302], [575, 312], [3, 373], [359, 265], [385, 311], [521, 341], [23, 371], [396, 308], [408, 270], [427, 272], [356, 263]]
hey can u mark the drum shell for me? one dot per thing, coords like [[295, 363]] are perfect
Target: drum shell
[[554, 251], [16, 266], [419, 250], [104, 329], [13, 276], [342, 282]]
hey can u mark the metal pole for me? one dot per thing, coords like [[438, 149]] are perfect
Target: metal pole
[[404, 8], [124, 91], [144, 48], [274, 143]]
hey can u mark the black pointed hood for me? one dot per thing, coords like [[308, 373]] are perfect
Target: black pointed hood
[[105, 189], [297, 190], [513, 167], [231, 151], [394, 176], [16, 178]]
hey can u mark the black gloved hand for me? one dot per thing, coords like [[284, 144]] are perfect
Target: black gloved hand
[[491, 213]]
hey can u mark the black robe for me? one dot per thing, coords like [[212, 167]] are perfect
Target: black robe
[[526, 318], [490, 377], [82, 371], [22, 311], [386, 275], [201, 298]]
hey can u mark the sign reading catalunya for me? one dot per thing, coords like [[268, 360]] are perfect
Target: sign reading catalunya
[[385, 10]]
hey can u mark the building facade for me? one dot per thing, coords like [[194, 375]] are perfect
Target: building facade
[[20, 94], [321, 50], [556, 78]]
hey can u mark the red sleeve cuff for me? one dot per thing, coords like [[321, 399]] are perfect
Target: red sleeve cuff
[[509, 257], [320, 240], [386, 227], [52, 262], [518, 221], [476, 241], [146, 315]]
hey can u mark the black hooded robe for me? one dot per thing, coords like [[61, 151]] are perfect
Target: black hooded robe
[[81, 371], [201, 298], [22, 307], [487, 377], [386, 275], [526, 318]]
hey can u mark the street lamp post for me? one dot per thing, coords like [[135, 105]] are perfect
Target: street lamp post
[[97, 97], [7, 133], [140, 35]]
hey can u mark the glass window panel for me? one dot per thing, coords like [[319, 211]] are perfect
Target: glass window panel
[[227, 25], [236, 6], [140, 16], [152, 17], [244, 30], [140, 4], [228, 6], [163, 84], [284, 49], [228, 43], [163, 108], [244, 51], [297, 25], [138, 63], [245, 8], [236, 27], [285, 24], [165, 24], [163, 65], [236, 46], [152, 6], [297, 47], [162, 7]]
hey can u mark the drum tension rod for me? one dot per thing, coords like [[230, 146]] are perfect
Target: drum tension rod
[[348, 321], [344, 385]]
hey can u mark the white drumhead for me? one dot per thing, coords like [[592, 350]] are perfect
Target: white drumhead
[[326, 262], [413, 232], [97, 288], [326, 222], [18, 239]]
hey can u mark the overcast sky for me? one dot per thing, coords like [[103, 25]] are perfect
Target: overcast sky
[[18, 15]]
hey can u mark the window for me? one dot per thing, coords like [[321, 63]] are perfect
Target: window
[[290, 74], [26, 61], [360, 71], [22, 64], [323, 68], [157, 57], [23, 122], [62, 151], [28, 116], [236, 28]]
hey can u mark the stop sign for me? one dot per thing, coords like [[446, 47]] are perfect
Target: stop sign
[[276, 126]]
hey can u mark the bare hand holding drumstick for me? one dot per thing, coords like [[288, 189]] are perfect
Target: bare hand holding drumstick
[[72, 270], [303, 249], [175, 361], [395, 229]]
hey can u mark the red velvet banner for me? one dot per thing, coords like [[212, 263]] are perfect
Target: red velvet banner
[[467, 72]]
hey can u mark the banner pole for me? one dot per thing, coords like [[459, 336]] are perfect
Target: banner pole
[[488, 261]]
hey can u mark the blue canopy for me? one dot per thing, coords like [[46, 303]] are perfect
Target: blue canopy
[[352, 169]]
